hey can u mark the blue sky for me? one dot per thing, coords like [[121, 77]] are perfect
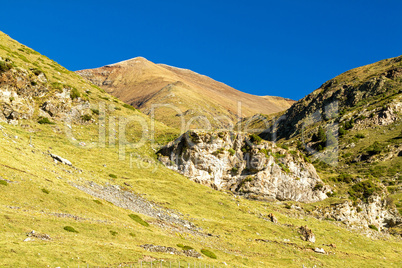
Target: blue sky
[[283, 48]]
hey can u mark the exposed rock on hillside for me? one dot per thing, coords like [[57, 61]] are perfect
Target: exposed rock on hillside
[[244, 165], [25, 94], [373, 213]]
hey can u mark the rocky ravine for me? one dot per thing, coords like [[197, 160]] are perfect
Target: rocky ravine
[[245, 165]]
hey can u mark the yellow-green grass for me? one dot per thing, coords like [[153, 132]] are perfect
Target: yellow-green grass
[[235, 220]]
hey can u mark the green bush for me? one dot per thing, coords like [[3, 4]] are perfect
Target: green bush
[[360, 136], [132, 234], [318, 186], [373, 227], [363, 190], [138, 219], [184, 247], [74, 94], [45, 121], [129, 107], [284, 167], [114, 233], [375, 148], [45, 191], [255, 139], [344, 177], [86, 117], [97, 202], [113, 176], [231, 151], [218, 152], [208, 253], [5, 66], [3, 183], [95, 111], [70, 229]]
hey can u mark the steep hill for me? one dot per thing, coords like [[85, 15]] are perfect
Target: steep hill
[[80, 187], [142, 84], [352, 128]]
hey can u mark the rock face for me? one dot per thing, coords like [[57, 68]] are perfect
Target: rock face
[[307, 234], [25, 94], [374, 212], [245, 165]]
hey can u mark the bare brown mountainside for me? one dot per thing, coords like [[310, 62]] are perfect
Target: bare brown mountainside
[[142, 83]]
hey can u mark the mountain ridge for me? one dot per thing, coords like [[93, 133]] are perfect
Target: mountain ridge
[[138, 81]]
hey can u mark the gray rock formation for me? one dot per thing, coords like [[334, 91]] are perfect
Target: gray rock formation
[[374, 212], [229, 161]]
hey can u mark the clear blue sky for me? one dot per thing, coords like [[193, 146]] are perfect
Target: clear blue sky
[[283, 48]]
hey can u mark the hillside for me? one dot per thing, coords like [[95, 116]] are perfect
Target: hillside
[[80, 185], [352, 129], [142, 84]]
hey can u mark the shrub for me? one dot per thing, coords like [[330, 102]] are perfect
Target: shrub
[[231, 151], [255, 139], [74, 94], [341, 131], [265, 152], [3, 183], [234, 169], [132, 234], [363, 190], [86, 117], [184, 247], [284, 167], [114, 233], [318, 186], [45, 121], [70, 229], [360, 136], [375, 148], [5, 66], [45, 191], [138, 219], [344, 177], [373, 227], [95, 111], [218, 152], [113, 176], [129, 107], [208, 253], [97, 202]]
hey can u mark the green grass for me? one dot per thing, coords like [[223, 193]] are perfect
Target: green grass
[[4, 183]]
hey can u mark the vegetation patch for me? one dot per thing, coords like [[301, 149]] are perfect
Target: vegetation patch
[[86, 117], [231, 151], [363, 190], [97, 202], [114, 233], [129, 107], [373, 227], [113, 176], [70, 229], [4, 183], [208, 253], [45, 191], [184, 247], [139, 220], [45, 121], [74, 94], [255, 139]]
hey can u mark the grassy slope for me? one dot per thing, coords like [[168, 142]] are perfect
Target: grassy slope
[[25, 207]]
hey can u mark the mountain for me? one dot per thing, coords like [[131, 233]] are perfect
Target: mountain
[[81, 185], [351, 127], [142, 84]]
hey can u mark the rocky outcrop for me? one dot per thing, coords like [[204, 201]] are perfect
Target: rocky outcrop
[[307, 234], [245, 165], [26, 94], [374, 212]]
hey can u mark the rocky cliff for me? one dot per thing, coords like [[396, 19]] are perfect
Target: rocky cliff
[[245, 165]]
